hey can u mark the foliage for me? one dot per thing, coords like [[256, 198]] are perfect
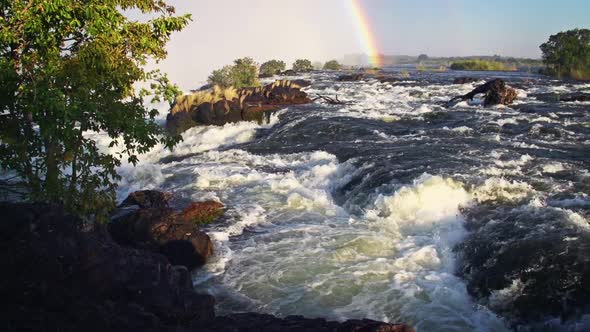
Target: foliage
[[243, 73], [568, 54], [482, 65], [332, 65], [222, 77], [272, 67], [422, 58], [302, 65], [69, 69]]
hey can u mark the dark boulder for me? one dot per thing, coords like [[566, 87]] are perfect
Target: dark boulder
[[464, 80], [269, 323], [147, 199], [351, 77], [60, 278], [162, 229], [495, 92], [288, 72]]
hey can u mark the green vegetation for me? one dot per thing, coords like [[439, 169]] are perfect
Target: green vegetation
[[302, 65], [243, 73], [422, 58], [482, 65], [332, 65], [272, 67], [68, 69], [568, 54]]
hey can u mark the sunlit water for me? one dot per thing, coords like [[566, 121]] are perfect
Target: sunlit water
[[355, 211]]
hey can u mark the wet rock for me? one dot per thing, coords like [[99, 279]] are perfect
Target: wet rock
[[495, 92], [241, 107], [387, 79], [288, 72], [565, 97], [527, 265], [60, 278], [464, 80], [162, 229], [351, 78], [202, 212], [261, 322], [147, 199]]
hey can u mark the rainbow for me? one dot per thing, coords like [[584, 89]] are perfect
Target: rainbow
[[366, 33]]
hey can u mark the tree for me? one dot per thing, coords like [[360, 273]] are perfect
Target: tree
[[302, 65], [332, 65], [272, 67], [422, 58], [222, 77], [568, 53], [243, 73], [68, 69]]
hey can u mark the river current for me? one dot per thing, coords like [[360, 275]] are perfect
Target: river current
[[374, 209]]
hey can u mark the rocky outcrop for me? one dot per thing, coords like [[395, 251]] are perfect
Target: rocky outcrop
[[269, 323], [144, 220], [495, 92], [220, 107], [60, 278]]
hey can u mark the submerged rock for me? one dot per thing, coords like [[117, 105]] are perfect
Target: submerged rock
[[495, 92], [528, 265], [219, 107], [160, 228], [351, 77], [464, 80], [565, 97]]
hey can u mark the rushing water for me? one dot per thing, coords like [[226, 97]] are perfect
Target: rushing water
[[357, 211]]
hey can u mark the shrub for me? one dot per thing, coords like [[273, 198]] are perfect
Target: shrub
[[481, 65], [302, 65], [69, 69], [568, 54], [332, 65], [272, 67], [243, 73], [222, 77]]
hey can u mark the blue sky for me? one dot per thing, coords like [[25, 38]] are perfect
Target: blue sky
[[461, 27], [320, 30]]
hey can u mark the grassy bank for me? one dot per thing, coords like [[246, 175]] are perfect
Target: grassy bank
[[482, 65]]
